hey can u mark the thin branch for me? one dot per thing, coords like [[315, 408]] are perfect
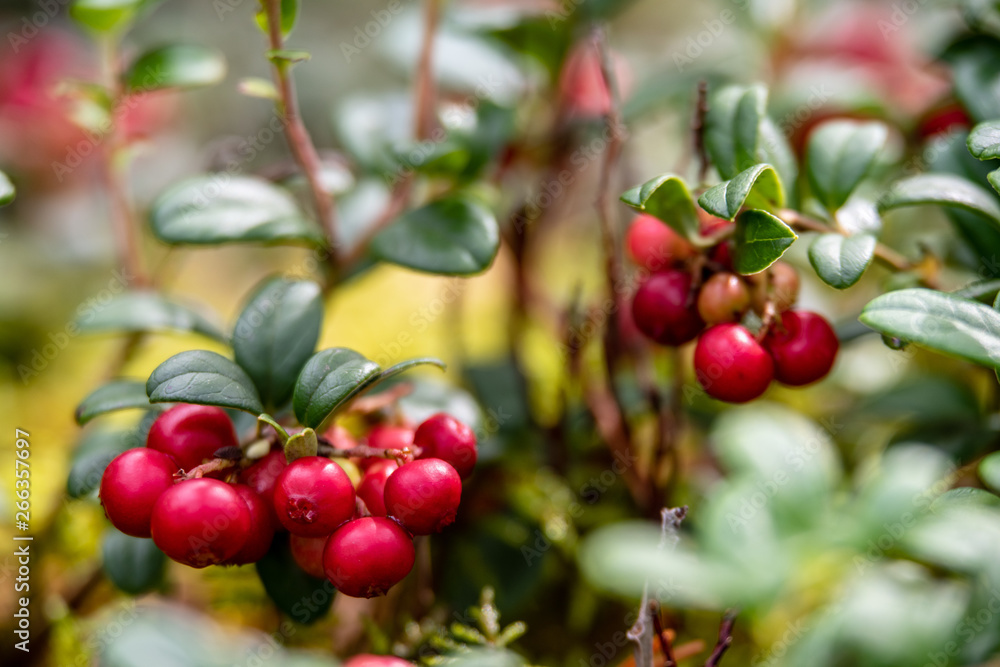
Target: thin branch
[[698, 131], [327, 448], [297, 135], [725, 639], [665, 644], [425, 93]]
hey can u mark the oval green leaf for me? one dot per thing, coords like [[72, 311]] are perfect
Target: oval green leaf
[[756, 187], [667, 198], [975, 74], [115, 395], [91, 456], [289, 12], [732, 128], [941, 322], [943, 190], [839, 156], [220, 208], [840, 260], [7, 190], [105, 15], [984, 140], [453, 236], [133, 564], [276, 334], [759, 241], [204, 378], [134, 312], [175, 66], [330, 379]]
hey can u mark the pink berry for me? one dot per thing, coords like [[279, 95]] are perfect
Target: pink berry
[[262, 527], [130, 487], [653, 245], [191, 434], [261, 477], [803, 346], [385, 436], [664, 309], [201, 522], [731, 365], [313, 496], [372, 486], [368, 660], [441, 436], [423, 496], [308, 554], [366, 557]]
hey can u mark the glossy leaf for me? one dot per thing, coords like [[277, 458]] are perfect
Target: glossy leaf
[[302, 598], [289, 13], [115, 395], [975, 73], [7, 190], [330, 379], [759, 241], [105, 16], [204, 378], [133, 312], [984, 140], [276, 334], [667, 198], [756, 187], [840, 260], [943, 190], [453, 236], [175, 66], [133, 564], [942, 322], [732, 128], [220, 208], [840, 155], [91, 456]]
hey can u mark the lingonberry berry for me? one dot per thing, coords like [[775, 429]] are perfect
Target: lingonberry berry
[[803, 346], [191, 434], [778, 284], [368, 660], [731, 365], [653, 245], [261, 477], [441, 436], [372, 486], [368, 556], [386, 436], [131, 485], [262, 527], [313, 496], [201, 522], [308, 554], [723, 298], [664, 309], [423, 496]]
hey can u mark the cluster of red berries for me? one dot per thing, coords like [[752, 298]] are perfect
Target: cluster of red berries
[[690, 295], [360, 538]]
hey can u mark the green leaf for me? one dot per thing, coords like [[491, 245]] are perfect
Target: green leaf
[[301, 444], [303, 598], [105, 15], [133, 564], [759, 241], [254, 86], [941, 322], [989, 471], [203, 378], [975, 73], [91, 456], [7, 190], [667, 198], [134, 312], [329, 380], [841, 260], [943, 190], [284, 57], [452, 236], [221, 208], [984, 140], [732, 128], [840, 155], [756, 187], [404, 366], [289, 12], [276, 334], [175, 66], [115, 395]]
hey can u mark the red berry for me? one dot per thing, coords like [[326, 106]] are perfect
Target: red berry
[[308, 554], [723, 298], [262, 527], [384, 436], [191, 434], [423, 496], [261, 477], [581, 84], [731, 365], [368, 660], [372, 486], [201, 522], [441, 436], [653, 245], [664, 310], [130, 487], [313, 496], [803, 346], [366, 557]]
